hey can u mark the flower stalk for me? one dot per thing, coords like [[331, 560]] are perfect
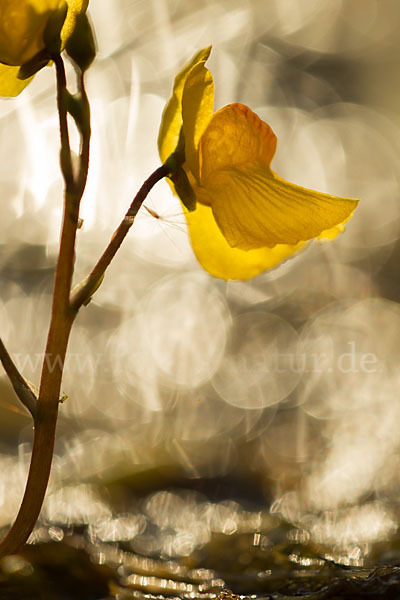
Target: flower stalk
[[82, 293]]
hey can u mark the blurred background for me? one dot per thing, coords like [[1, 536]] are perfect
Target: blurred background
[[279, 393]]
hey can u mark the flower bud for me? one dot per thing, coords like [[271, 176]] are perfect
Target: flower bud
[[81, 46]]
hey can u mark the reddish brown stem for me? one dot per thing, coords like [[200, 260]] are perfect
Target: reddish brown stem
[[47, 404], [60, 326], [82, 293]]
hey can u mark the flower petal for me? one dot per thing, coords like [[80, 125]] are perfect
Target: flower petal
[[235, 136], [74, 8], [252, 206], [10, 85], [22, 27], [255, 209], [171, 121], [197, 110], [219, 259]]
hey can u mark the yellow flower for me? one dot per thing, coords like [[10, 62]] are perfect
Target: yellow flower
[[22, 24], [247, 219]]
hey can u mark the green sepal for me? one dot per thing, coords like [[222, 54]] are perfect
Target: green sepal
[[81, 45], [177, 158], [184, 189], [52, 31], [30, 68], [178, 176]]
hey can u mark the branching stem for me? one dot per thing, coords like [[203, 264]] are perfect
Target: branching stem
[[65, 307]]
